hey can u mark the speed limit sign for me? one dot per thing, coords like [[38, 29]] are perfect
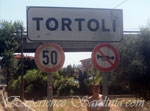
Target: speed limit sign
[[49, 57]]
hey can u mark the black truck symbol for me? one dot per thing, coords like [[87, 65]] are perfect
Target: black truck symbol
[[103, 58]]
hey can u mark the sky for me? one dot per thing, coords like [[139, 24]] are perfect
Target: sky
[[135, 15]]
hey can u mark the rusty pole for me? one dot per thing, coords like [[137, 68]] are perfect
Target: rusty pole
[[50, 91], [22, 69]]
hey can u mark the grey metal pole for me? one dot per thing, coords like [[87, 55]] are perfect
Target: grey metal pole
[[22, 69], [50, 91], [105, 88]]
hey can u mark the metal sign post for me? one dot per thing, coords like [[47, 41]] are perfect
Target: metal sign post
[[105, 87], [50, 91], [49, 58], [105, 57], [22, 67]]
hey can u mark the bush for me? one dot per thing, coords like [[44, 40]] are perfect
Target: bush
[[64, 85], [35, 84]]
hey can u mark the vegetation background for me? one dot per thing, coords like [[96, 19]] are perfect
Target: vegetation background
[[132, 76]]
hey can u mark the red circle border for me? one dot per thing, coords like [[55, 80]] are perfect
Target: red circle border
[[37, 59]]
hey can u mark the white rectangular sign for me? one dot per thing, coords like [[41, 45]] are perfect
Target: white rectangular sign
[[74, 24]]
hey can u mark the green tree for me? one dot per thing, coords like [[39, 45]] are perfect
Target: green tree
[[9, 39], [64, 85], [132, 74], [29, 64], [69, 71], [35, 83], [140, 66], [119, 78]]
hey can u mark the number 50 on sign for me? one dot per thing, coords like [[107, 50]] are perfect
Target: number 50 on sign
[[49, 57]]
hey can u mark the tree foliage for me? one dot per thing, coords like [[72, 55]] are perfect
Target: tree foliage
[[133, 72], [9, 42], [64, 85], [35, 84], [9, 37], [131, 76], [139, 68]]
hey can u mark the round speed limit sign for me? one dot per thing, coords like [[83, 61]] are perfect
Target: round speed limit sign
[[49, 57]]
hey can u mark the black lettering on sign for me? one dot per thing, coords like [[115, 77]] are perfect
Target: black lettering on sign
[[93, 21], [50, 26], [37, 20], [52, 59], [45, 57], [66, 22]]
